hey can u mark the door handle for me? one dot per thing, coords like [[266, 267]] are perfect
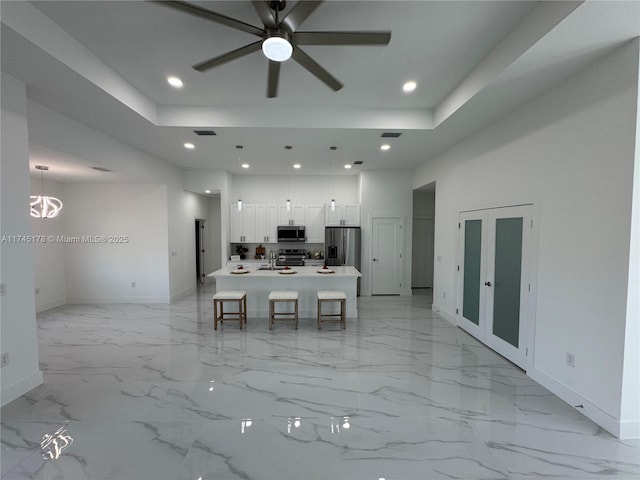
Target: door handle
[[488, 284]]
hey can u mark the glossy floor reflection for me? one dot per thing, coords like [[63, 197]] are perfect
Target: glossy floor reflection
[[153, 392]]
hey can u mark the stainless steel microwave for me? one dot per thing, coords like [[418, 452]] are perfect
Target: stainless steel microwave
[[291, 233]]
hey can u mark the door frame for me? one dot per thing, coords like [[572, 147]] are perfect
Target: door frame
[[413, 233], [372, 218], [533, 255], [200, 241]]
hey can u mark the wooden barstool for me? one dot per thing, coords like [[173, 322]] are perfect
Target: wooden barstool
[[278, 296], [239, 296], [332, 296]]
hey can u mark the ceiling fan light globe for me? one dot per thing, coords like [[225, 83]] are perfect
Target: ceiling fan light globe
[[277, 49]]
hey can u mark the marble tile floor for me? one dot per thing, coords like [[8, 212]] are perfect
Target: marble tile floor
[[152, 392]]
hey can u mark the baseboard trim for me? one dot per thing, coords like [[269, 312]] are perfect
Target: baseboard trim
[[622, 430], [184, 293], [58, 302], [10, 393], [443, 313], [88, 300]]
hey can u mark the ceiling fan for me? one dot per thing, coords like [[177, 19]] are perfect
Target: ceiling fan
[[280, 38]]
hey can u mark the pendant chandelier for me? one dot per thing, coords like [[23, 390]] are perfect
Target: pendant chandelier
[[288, 202], [239, 204], [43, 206], [333, 182]]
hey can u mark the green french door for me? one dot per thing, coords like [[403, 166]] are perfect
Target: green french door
[[494, 283]]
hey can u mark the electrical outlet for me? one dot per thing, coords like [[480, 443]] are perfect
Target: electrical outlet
[[3, 289], [133, 284], [444, 295], [571, 359], [4, 360], [37, 291]]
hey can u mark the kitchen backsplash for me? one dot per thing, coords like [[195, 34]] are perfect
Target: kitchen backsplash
[[312, 248]]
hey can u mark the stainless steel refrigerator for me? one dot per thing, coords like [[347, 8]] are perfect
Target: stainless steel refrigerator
[[342, 247]]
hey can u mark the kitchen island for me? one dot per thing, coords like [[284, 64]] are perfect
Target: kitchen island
[[306, 280]]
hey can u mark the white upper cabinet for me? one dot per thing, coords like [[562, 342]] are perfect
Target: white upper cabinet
[[266, 223], [293, 216], [242, 223], [351, 215], [344, 215], [314, 223]]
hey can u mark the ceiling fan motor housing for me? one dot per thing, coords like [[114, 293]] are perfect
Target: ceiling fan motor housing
[[277, 5]]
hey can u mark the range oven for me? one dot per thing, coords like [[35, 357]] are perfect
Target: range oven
[[290, 233], [291, 257]]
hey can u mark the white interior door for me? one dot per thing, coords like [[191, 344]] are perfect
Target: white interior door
[[386, 258], [494, 279]]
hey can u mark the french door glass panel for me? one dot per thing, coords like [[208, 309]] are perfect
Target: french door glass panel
[[507, 275], [471, 271]]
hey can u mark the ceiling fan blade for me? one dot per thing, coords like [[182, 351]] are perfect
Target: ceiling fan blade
[[227, 57], [313, 67], [264, 11], [274, 78], [211, 15], [299, 13], [342, 38]]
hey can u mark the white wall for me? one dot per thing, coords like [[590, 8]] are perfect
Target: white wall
[[630, 405], [49, 257], [213, 255], [18, 336], [571, 153], [386, 193], [54, 131], [183, 212], [199, 180], [301, 189], [133, 219], [424, 204]]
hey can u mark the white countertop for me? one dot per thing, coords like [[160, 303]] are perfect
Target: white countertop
[[300, 272]]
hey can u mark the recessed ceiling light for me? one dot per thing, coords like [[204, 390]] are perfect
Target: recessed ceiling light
[[175, 82], [385, 147], [189, 146], [409, 86], [347, 166], [207, 191], [296, 165], [245, 165]]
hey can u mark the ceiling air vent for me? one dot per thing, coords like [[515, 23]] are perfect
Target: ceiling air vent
[[102, 169], [205, 133], [358, 162], [391, 134]]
